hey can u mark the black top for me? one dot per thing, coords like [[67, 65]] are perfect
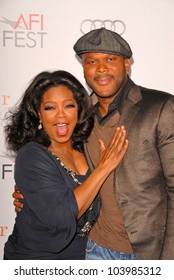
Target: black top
[[47, 227]]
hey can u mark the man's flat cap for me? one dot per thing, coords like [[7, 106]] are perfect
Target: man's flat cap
[[102, 40]]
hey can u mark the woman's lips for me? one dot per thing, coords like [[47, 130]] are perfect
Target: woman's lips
[[62, 129]]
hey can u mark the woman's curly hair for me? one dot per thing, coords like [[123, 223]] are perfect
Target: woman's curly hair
[[23, 120]]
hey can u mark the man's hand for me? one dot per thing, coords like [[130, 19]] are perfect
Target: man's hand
[[17, 195]]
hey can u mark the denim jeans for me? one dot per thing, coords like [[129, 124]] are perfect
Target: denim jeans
[[97, 252]]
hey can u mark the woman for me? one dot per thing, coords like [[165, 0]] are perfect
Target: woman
[[48, 130]]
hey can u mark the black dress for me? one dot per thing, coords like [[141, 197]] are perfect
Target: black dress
[[47, 227]]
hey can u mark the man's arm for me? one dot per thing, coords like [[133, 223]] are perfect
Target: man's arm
[[17, 195], [166, 148]]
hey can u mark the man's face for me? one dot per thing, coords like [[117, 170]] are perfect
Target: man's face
[[105, 73]]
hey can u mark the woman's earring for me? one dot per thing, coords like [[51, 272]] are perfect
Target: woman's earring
[[40, 125]]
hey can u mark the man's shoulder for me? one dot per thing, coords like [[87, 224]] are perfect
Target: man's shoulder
[[154, 93]]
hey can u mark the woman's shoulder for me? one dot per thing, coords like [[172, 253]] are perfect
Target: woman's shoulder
[[31, 146], [32, 150], [34, 155]]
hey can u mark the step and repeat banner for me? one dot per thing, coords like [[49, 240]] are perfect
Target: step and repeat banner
[[37, 35]]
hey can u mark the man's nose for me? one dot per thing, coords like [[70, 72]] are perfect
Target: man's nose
[[102, 67]]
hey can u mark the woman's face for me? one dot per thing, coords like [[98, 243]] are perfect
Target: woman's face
[[58, 114]]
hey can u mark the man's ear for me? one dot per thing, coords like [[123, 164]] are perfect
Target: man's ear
[[127, 64]]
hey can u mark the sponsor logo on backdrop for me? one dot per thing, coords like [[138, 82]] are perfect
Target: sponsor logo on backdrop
[[25, 31], [3, 230], [4, 99], [7, 169], [114, 25]]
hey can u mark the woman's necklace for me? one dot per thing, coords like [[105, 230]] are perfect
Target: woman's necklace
[[88, 225], [68, 170]]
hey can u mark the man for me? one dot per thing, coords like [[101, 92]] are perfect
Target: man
[[137, 201], [136, 218]]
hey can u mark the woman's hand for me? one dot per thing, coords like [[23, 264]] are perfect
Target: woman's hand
[[113, 154]]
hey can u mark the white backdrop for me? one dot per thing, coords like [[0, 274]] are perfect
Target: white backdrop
[[39, 35]]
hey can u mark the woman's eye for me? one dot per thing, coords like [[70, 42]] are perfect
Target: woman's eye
[[70, 106], [47, 108]]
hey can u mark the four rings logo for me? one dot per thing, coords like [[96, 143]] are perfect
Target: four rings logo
[[114, 25]]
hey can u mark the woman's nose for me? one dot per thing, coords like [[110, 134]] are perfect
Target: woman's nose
[[60, 112]]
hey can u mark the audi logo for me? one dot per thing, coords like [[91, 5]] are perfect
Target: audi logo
[[114, 25]]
